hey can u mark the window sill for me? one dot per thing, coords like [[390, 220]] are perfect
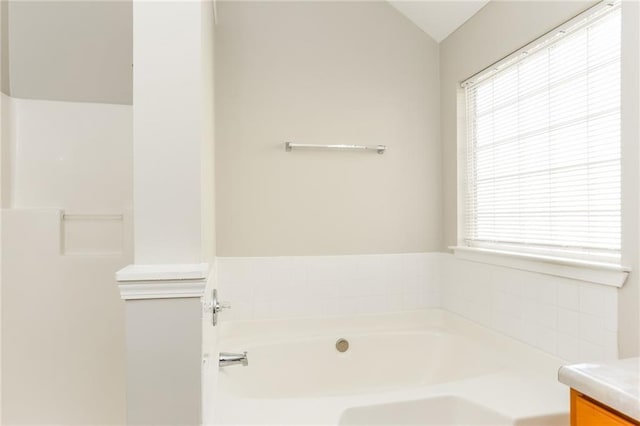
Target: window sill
[[594, 272]]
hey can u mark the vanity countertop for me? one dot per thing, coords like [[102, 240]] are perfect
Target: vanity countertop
[[614, 383]]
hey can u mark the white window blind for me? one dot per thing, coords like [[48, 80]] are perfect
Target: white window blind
[[543, 146]]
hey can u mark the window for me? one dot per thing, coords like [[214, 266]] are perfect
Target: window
[[543, 145]]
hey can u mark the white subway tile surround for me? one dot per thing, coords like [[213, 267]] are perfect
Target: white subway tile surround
[[571, 319], [289, 287], [574, 320]]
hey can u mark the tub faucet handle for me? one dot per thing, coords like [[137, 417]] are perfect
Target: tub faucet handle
[[217, 306]]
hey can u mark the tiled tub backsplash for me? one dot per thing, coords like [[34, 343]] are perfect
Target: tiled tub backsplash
[[288, 287], [574, 320], [571, 319]]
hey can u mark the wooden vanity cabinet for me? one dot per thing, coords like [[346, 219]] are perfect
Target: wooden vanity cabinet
[[587, 412]]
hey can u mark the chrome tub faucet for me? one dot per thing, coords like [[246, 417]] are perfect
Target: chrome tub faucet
[[228, 358]]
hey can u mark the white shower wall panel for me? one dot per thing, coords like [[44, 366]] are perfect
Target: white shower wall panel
[[62, 327], [66, 222], [71, 155], [6, 137]]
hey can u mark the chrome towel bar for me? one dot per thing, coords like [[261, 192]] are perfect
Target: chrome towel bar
[[289, 146], [92, 216]]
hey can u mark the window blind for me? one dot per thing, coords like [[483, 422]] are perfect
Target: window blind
[[543, 167]]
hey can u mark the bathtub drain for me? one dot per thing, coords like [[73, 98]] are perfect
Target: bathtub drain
[[342, 345]]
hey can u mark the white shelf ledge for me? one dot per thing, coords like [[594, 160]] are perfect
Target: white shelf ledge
[[195, 271], [594, 272]]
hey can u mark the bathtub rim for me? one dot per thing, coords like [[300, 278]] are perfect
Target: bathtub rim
[[532, 372]]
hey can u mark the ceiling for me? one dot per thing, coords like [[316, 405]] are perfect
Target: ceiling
[[438, 18]]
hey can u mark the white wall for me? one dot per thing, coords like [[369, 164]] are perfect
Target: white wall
[[63, 320], [3, 136], [4, 47], [171, 136], [164, 333], [629, 295], [84, 46], [208, 215], [325, 72], [174, 208]]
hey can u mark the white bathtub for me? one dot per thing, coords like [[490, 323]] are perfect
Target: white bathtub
[[426, 367]]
